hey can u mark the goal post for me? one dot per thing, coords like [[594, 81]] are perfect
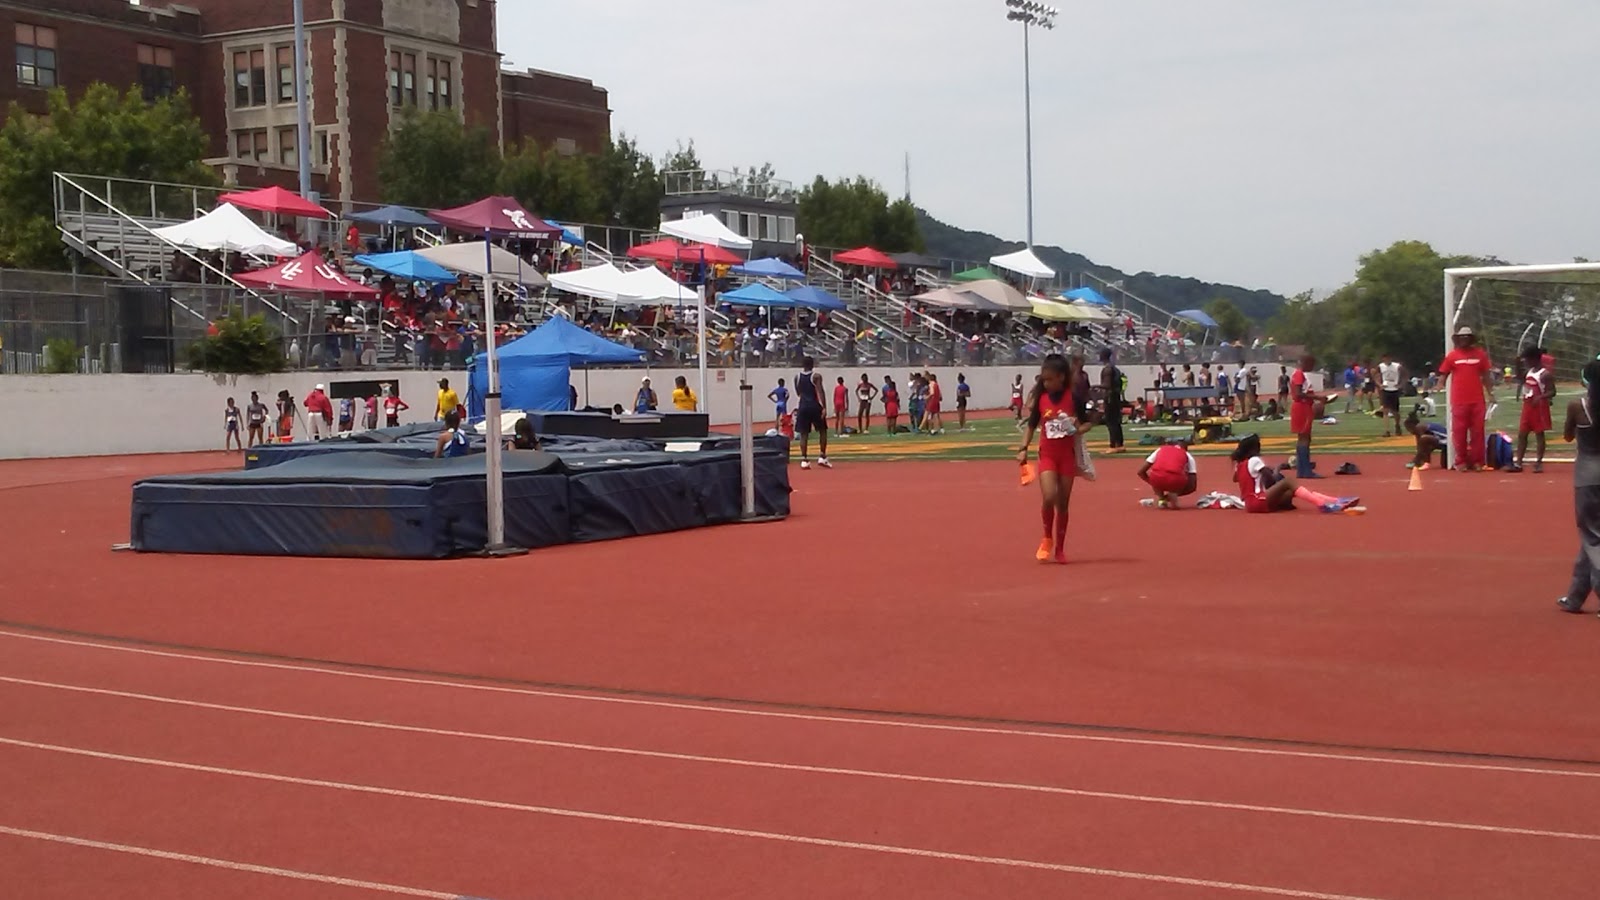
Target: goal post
[[1510, 308]]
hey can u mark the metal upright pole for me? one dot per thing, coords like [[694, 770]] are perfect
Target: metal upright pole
[[1027, 117], [494, 492], [303, 135]]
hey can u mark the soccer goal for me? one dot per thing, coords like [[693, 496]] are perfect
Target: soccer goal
[[1511, 308]]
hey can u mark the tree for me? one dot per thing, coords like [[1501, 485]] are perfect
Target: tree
[[104, 133], [682, 159], [552, 184], [433, 160], [1232, 323], [857, 212], [627, 185]]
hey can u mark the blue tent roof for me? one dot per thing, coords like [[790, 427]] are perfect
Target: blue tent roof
[[1087, 295], [393, 216], [813, 297], [1197, 316], [560, 340], [757, 295], [407, 264], [770, 267]]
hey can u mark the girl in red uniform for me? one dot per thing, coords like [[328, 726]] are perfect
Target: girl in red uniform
[[1057, 416], [1538, 391], [1264, 491]]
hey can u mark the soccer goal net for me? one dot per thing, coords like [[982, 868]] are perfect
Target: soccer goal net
[[1513, 308]]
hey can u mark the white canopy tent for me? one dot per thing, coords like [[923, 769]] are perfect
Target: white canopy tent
[[471, 259], [602, 282], [998, 293], [226, 228], [706, 230], [649, 285], [1023, 262]]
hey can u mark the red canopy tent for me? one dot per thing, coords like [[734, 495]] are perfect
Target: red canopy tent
[[669, 250], [276, 200], [865, 256], [500, 216], [307, 273]]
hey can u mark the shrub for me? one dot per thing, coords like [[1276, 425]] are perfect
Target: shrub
[[243, 345], [60, 356]]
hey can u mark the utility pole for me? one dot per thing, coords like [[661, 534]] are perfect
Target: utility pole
[[303, 133]]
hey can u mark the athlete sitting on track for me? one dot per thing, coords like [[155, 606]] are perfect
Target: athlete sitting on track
[[1265, 491]]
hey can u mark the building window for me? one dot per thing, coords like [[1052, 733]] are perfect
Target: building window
[[289, 146], [769, 228], [249, 78], [730, 219], [446, 97], [786, 229], [285, 74], [155, 71], [402, 79], [430, 86], [566, 146], [36, 56], [752, 226], [322, 149], [251, 145]]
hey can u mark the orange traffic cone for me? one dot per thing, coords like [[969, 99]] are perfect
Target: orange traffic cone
[[1416, 480]]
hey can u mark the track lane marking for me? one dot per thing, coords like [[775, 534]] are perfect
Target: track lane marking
[[816, 770], [229, 864], [667, 824], [578, 696]]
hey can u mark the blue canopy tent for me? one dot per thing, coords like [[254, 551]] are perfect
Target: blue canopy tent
[[758, 295], [393, 217], [1196, 316], [408, 265], [770, 267], [814, 298], [1087, 295], [536, 369]]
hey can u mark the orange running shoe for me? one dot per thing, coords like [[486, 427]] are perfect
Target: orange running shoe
[[1043, 553]]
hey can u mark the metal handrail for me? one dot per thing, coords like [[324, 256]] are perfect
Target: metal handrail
[[123, 219]]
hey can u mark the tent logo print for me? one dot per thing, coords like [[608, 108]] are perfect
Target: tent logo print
[[328, 273], [518, 218], [292, 271]]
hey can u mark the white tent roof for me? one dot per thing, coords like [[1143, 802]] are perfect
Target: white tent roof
[[650, 285], [602, 282], [1023, 262], [469, 259], [706, 230], [226, 228], [998, 293]]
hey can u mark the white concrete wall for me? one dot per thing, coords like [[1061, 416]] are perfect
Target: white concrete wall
[[98, 415]]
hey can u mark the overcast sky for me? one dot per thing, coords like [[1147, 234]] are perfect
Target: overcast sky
[[1267, 143]]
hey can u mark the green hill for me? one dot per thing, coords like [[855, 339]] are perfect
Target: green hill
[[1170, 292]]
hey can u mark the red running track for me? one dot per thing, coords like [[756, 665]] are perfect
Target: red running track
[[456, 788], [134, 767]]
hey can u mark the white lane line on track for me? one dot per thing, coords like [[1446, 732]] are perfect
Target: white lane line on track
[[816, 717], [780, 837], [814, 770], [231, 865]]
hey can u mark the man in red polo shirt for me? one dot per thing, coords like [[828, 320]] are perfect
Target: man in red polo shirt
[[1469, 371]]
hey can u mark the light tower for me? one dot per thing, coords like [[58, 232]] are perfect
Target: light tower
[[1031, 15]]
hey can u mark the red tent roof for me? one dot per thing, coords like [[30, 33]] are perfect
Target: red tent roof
[[308, 273], [669, 250], [276, 200], [502, 216], [865, 256]]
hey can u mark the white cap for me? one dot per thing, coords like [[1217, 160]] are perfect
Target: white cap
[[645, 380], [1463, 331], [320, 387]]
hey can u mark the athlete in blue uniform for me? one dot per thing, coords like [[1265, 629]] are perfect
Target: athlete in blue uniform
[[453, 440], [810, 414], [780, 403]]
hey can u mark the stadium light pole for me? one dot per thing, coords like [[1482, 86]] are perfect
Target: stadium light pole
[[1032, 15], [302, 121]]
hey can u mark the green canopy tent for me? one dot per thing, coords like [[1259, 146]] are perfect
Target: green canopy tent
[[980, 273]]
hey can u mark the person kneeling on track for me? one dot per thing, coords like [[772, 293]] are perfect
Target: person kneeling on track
[[1171, 472]]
